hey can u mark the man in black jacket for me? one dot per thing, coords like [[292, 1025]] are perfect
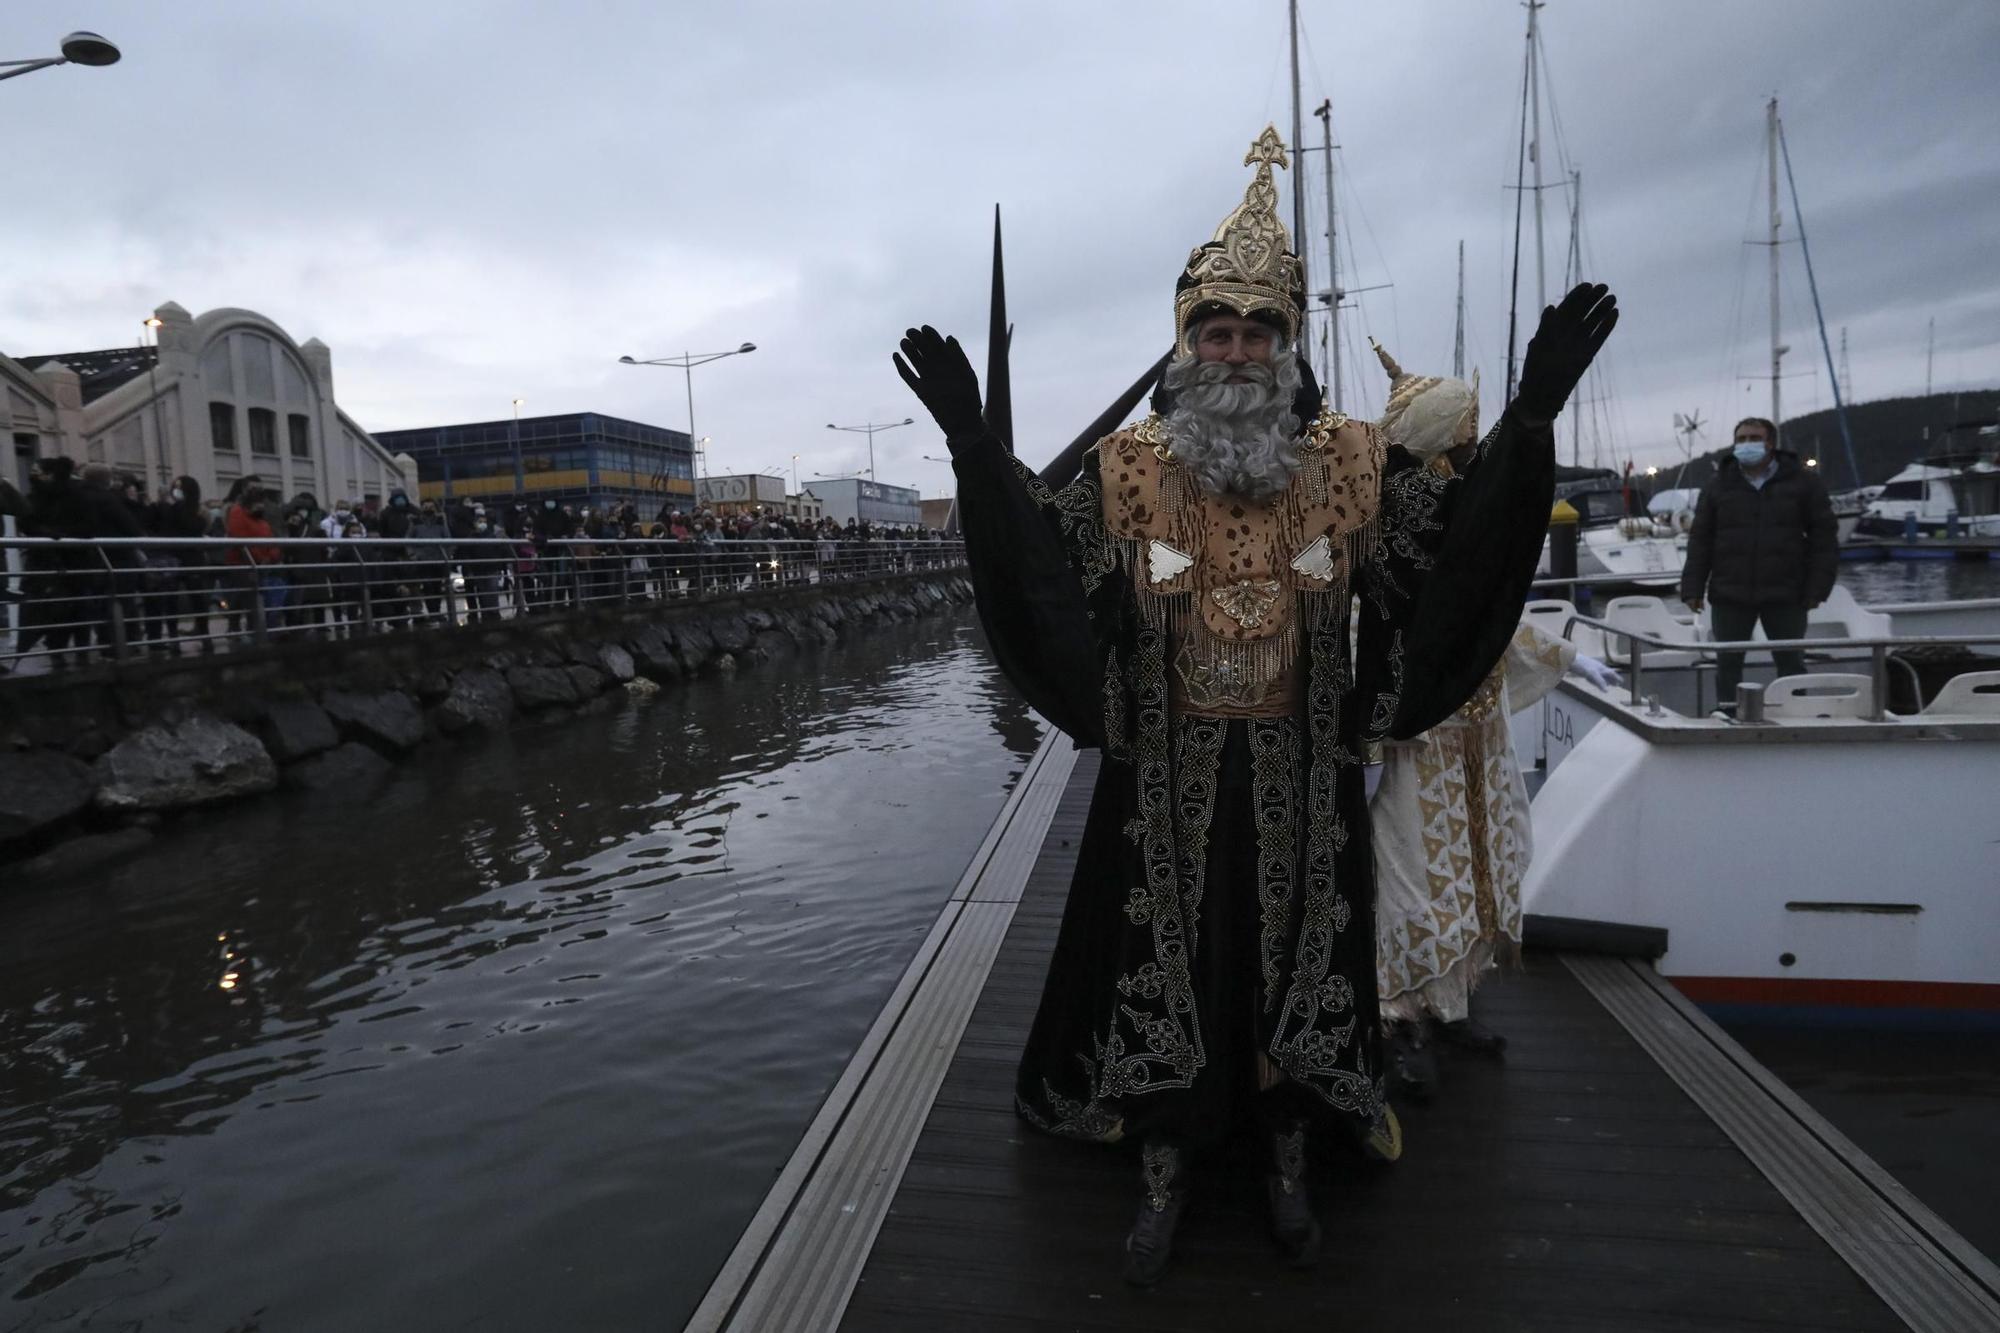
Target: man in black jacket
[[1763, 549]]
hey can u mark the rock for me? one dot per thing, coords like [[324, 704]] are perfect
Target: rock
[[170, 765], [756, 617], [294, 728], [725, 663], [39, 788], [479, 697], [639, 686], [589, 681], [352, 767], [617, 663], [389, 719], [731, 634], [433, 685], [93, 851], [773, 643], [653, 654], [541, 687]]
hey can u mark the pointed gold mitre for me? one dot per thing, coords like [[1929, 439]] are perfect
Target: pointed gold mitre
[[1248, 268]]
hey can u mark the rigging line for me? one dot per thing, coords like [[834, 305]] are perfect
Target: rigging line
[[1356, 208], [1798, 216], [1724, 387]]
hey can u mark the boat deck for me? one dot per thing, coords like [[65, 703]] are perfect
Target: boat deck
[[1576, 1184]]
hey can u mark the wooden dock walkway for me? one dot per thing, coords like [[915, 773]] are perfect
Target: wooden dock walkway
[[1576, 1185]]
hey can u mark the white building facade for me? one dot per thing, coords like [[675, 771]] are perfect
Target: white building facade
[[856, 498], [226, 395]]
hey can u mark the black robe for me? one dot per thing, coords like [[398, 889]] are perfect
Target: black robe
[[1223, 901]]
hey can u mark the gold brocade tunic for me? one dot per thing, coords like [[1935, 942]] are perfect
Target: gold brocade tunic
[[1228, 578]]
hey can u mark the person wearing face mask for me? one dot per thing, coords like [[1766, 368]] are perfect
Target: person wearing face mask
[[1763, 550], [179, 515]]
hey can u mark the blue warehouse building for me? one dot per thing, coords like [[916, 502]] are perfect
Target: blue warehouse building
[[583, 458]]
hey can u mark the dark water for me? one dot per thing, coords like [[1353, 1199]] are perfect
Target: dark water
[[1921, 580], [516, 1041], [1924, 1105]]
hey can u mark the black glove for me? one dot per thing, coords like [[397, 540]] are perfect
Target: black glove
[[937, 371], [1563, 348]]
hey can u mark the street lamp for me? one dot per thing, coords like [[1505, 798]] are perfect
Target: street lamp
[[687, 361], [871, 430], [79, 48]]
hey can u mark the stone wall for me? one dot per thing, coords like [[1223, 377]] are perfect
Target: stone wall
[[91, 763]]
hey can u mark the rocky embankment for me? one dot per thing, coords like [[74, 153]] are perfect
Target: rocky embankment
[[91, 765]]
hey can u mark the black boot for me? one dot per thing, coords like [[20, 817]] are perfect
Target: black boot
[[1292, 1220], [1472, 1035], [1151, 1241], [1412, 1062]]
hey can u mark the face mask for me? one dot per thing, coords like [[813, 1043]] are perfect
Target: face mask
[[482, 527], [175, 495], [1750, 453]]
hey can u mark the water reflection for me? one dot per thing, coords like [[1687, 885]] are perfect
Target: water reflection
[[517, 1037]]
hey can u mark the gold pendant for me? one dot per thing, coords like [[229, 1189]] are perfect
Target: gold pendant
[[1247, 601]]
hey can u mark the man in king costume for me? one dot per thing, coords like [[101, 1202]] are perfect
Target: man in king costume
[[1451, 825], [1231, 601]]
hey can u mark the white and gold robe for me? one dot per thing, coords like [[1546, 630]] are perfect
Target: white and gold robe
[[1453, 841]]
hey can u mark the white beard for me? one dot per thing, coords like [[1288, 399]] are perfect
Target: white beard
[[1237, 439]]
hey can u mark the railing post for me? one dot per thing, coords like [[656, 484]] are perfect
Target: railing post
[[367, 595], [450, 598], [260, 630], [1878, 675], [114, 609], [1632, 647]]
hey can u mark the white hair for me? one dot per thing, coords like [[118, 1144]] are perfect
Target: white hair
[[1237, 439]]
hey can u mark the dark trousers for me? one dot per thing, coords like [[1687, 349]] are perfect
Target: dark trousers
[[1735, 621]]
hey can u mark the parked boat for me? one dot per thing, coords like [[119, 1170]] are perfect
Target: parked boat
[[1862, 892], [1954, 491]]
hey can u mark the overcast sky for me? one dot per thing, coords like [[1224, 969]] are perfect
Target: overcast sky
[[474, 202]]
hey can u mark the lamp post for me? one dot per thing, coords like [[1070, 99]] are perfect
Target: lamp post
[[687, 361], [79, 48], [871, 430], [520, 470]]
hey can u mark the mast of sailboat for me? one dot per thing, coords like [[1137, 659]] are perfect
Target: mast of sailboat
[[1520, 186], [1777, 220], [1333, 292], [1573, 270], [1298, 172], [1458, 339], [1535, 149]]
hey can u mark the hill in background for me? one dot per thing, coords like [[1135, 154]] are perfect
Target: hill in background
[[1889, 434]]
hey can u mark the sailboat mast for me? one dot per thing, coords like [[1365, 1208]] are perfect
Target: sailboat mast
[[1574, 270], [1520, 176], [1535, 149], [1333, 293], [1298, 168], [1777, 351], [1458, 339]]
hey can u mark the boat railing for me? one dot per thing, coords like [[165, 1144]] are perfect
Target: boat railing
[[1878, 649]]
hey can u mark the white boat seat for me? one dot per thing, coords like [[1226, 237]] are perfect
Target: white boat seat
[[1841, 617], [1968, 694], [1648, 615], [1819, 695], [1550, 615]]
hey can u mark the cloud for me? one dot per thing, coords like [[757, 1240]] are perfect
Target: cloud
[[474, 202]]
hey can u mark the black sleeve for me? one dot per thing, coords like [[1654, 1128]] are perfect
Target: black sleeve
[[1822, 544], [1442, 592], [1036, 559], [1701, 548]]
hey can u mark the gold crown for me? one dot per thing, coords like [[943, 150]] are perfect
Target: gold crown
[[1248, 267]]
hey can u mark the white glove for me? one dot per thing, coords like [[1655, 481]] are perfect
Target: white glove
[[1371, 779], [1596, 672]]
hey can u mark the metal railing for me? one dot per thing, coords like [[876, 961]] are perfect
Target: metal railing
[[70, 601], [1878, 651]]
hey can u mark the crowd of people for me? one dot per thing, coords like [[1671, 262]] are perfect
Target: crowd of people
[[431, 561]]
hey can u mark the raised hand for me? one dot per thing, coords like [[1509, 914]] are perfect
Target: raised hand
[[937, 371], [1563, 348]]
